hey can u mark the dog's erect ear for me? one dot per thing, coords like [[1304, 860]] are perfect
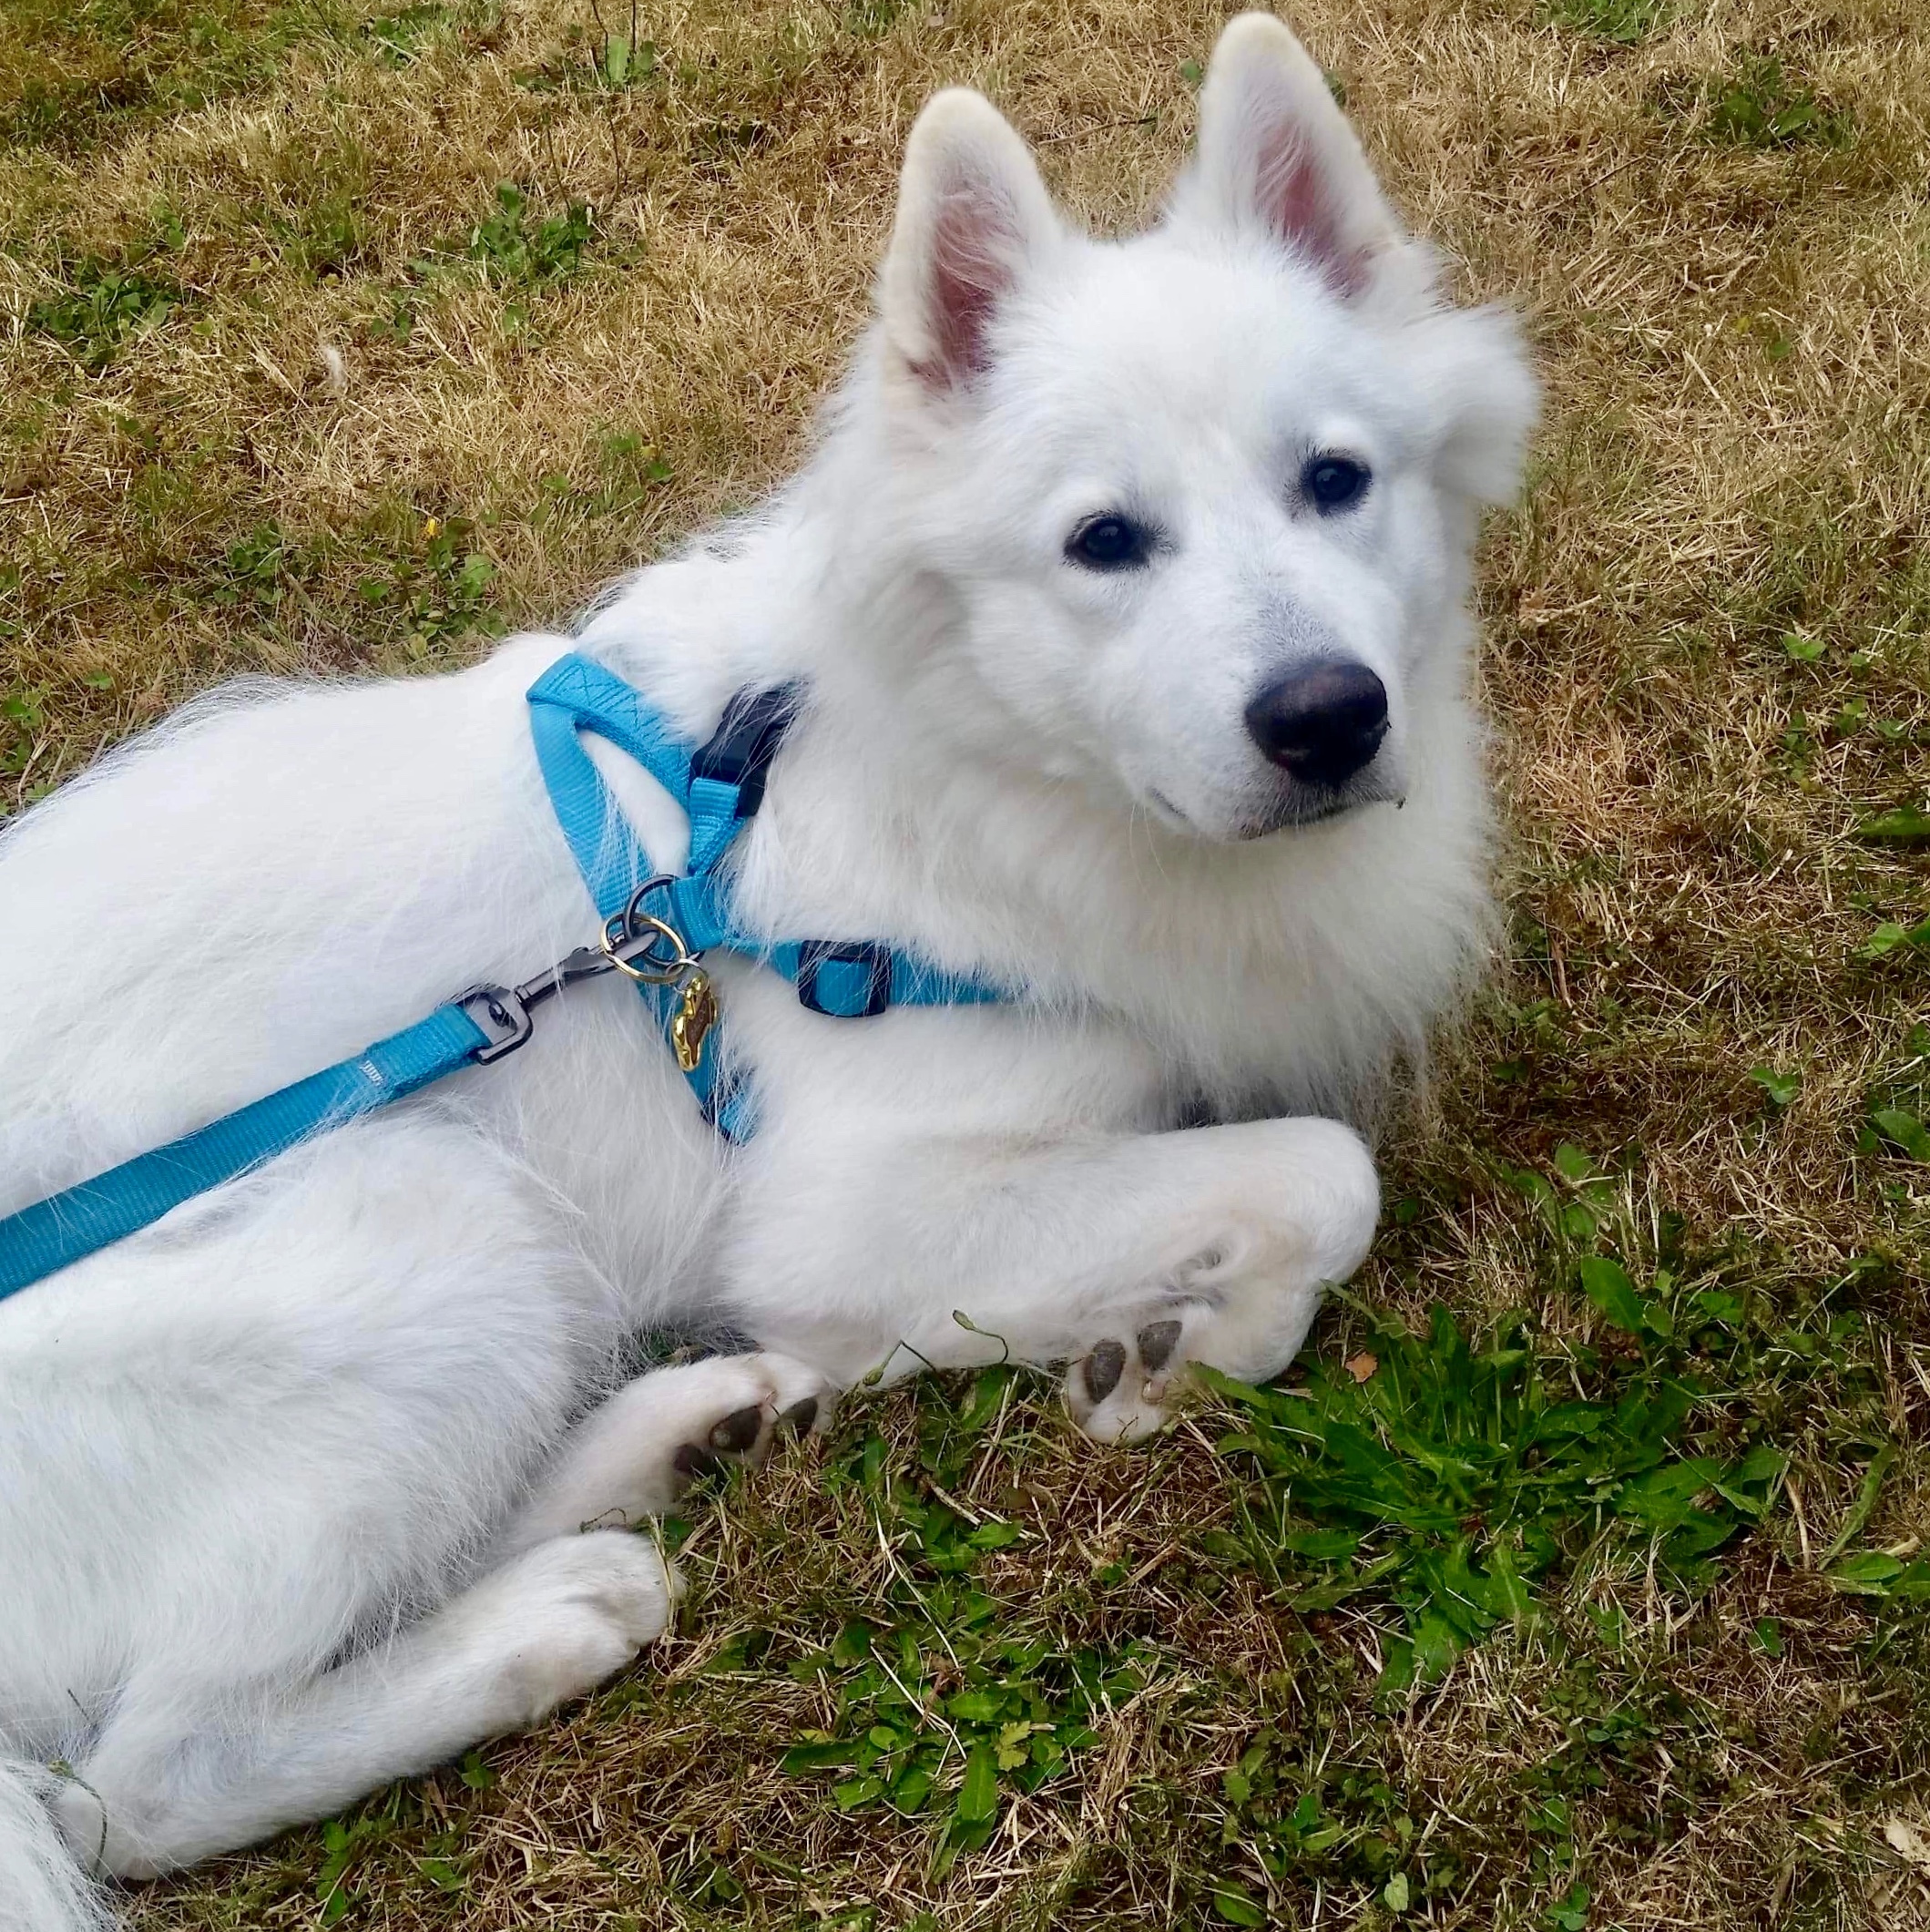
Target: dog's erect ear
[[1277, 154], [973, 216]]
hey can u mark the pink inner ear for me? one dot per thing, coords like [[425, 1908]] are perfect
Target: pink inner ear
[[1296, 201], [972, 267]]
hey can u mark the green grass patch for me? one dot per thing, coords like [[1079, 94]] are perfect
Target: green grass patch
[[404, 584], [872, 19], [1908, 824], [1758, 105], [1897, 1123], [105, 304], [75, 72], [609, 59], [1893, 934], [515, 246], [1623, 22], [434, 594], [325, 236], [23, 718], [253, 574], [628, 471], [943, 1706], [1314, 1821], [1452, 1474], [401, 36], [1450, 1477]]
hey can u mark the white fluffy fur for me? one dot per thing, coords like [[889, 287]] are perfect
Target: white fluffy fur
[[290, 1484]]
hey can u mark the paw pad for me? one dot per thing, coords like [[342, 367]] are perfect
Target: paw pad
[[693, 1460], [734, 1437], [738, 1431], [1103, 1368], [790, 1400], [1157, 1343]]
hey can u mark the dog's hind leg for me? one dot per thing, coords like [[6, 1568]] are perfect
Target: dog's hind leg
[[184, 1770], [255, 1441], [181, 1773]]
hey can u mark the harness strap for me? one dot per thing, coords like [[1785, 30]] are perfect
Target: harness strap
[[67, 1226], [575, 696], [855, 979], [718, 785]]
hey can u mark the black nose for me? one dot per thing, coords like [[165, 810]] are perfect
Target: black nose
[[1322, 722]]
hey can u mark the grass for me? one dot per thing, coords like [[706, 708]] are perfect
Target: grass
[[100, 306], [1596, 1600]]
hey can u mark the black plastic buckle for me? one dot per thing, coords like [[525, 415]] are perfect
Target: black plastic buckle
[[501, 1015], [746, 740], [815, 952]]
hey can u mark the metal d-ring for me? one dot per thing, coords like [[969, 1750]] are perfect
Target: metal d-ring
[[648, 968]]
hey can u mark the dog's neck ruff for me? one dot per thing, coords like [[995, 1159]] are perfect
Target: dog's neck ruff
[[657, 929]]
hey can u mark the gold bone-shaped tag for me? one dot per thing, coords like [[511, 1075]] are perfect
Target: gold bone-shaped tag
[[695, 1015]]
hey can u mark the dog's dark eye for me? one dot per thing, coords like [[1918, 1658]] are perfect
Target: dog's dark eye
[[1334, 482], [1110, 543]]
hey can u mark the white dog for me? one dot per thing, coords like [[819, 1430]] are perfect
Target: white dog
[[1126, 590]]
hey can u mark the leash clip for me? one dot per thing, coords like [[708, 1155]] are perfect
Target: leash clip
[[663, 959], [503, 1013], [502, 1016]]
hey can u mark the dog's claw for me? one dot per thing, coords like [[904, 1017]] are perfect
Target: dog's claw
[[738, 1431], [1157, 1343], [1103, 1368]]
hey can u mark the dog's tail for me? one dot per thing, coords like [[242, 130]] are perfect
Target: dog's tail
[[42, 1889]]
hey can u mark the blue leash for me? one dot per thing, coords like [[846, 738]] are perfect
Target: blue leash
[[657, 929]]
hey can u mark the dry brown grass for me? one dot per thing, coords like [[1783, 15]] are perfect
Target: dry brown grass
[[1737, 344]]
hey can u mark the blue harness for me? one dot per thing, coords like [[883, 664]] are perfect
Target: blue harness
[[657, 929]]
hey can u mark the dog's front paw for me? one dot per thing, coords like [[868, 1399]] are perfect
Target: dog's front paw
[[1122, 1391], [1245, 1300]]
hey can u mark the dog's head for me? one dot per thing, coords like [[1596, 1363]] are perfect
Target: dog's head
[[1202, 500]]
